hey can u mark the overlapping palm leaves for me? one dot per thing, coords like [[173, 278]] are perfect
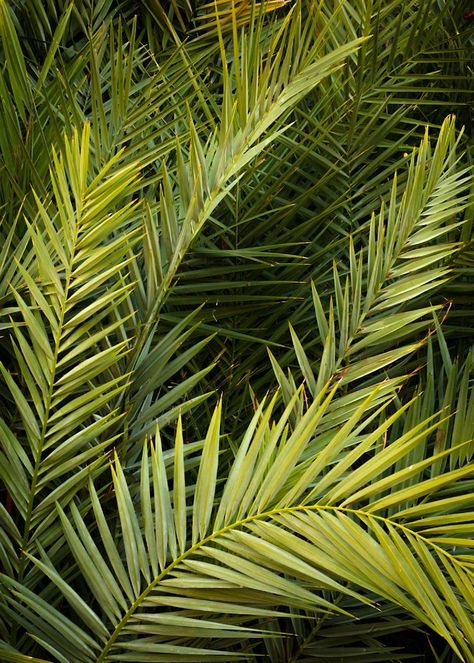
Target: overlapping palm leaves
[[165, 196]]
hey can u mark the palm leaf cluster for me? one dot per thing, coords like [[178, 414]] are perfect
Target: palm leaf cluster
[[236, 317]]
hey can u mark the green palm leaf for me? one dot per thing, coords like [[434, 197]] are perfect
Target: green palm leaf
[[284, 547]]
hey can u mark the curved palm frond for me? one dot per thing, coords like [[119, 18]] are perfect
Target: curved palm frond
[[66, 354], [385, 296], [292, 533]]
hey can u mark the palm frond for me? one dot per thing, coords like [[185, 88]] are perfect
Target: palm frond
[[388, 285], [292, 534], [65, 353]]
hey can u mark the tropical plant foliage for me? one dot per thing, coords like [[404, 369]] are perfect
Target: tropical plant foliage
[[236, 322]]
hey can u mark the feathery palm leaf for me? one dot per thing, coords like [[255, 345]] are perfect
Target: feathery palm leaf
[[291, 534], [406, 260]]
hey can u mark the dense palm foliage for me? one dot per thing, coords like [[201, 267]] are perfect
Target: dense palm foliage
[[236, 318]]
